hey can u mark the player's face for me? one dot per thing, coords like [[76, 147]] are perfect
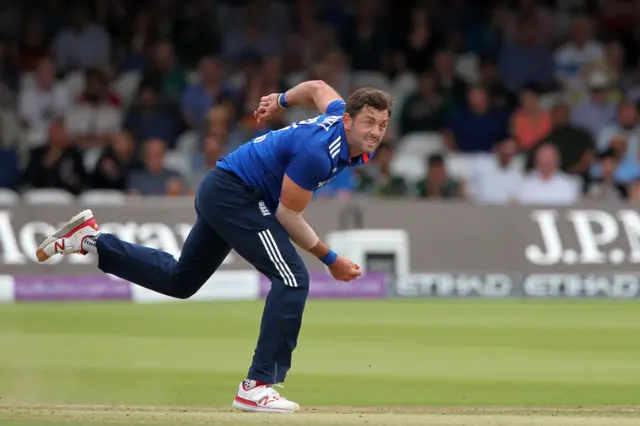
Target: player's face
[[367, 129]]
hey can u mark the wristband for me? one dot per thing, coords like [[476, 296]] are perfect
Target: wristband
[[282, 101], [329, 258]]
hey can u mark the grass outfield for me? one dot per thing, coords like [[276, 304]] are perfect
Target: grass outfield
[[499, 361]]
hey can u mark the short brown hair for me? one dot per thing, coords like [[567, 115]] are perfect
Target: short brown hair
[[368, 97]]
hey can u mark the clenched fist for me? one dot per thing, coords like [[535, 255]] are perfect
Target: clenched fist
[[268, 108], [344, 270]]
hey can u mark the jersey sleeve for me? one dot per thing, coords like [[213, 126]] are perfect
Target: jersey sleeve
[[336, 107], [308, 168]]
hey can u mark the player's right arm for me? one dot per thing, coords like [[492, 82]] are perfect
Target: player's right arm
[[298, 184], [308, 93]]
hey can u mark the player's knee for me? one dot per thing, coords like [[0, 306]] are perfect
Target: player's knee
[[180, 293], [182, 288]]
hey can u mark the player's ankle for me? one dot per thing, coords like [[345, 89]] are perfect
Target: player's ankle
[[249, 384]]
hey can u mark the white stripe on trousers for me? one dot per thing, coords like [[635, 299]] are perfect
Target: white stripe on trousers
[[274, 254]]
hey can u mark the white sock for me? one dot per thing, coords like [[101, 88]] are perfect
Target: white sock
[[89, 244]]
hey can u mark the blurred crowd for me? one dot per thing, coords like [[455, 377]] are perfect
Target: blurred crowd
[[527, 101]]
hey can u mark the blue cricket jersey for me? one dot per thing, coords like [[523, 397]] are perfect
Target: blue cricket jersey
[[310, 152]]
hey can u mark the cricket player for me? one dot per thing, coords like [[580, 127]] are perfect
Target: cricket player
[[252, 202]]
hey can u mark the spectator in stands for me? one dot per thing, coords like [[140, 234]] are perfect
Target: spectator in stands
[[304, 42], [200, 97], [486, 36], [614, 63], [526, 61], [194, 35], [364, 40], [451, 87], [496, 179], [598, 111], [218, 121], [580, 50], [116, 162], [499, 96], [165, 74], [10, 174], [7, 97], [135, 42], [437, 184], [616, 16], [9, 65], [155, 179], [249, 38], [151, 118], [97, 113], [628, 169], [547, 184], [57, 164], [39, 105], [222, 123], [576, 146], [544, 21], [82, 45], [626, 125], [634, 192], [32, 46], [633, 91], [424, 110], [213, 149], [273, 80], [248, 127], [97, 90], [475, 128], [530, 122], [377, 179], [607, 188], [334, 70], [421, 43], [338, 75], [54, 18], [247, 63]]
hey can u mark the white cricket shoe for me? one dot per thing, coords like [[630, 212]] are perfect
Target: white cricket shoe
[[263, 398], [69, 237]]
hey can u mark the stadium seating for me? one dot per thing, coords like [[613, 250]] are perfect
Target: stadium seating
[[188, 143], [372, 79], [102, 197], [8, 197], [126, 85], [47, 196], [90, 158], [178, 162]]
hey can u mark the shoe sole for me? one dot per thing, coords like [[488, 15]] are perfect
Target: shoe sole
[[72, 224], [254, 409]]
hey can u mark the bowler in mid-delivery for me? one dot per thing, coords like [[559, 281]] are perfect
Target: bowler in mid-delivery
[[252, 202]]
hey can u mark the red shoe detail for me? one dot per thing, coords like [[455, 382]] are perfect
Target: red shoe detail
[[246, 401]]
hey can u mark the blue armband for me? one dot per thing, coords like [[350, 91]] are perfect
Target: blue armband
[[282, 102], [329, 258]]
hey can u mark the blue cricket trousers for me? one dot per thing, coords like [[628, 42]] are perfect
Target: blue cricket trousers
[[230, 215]]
